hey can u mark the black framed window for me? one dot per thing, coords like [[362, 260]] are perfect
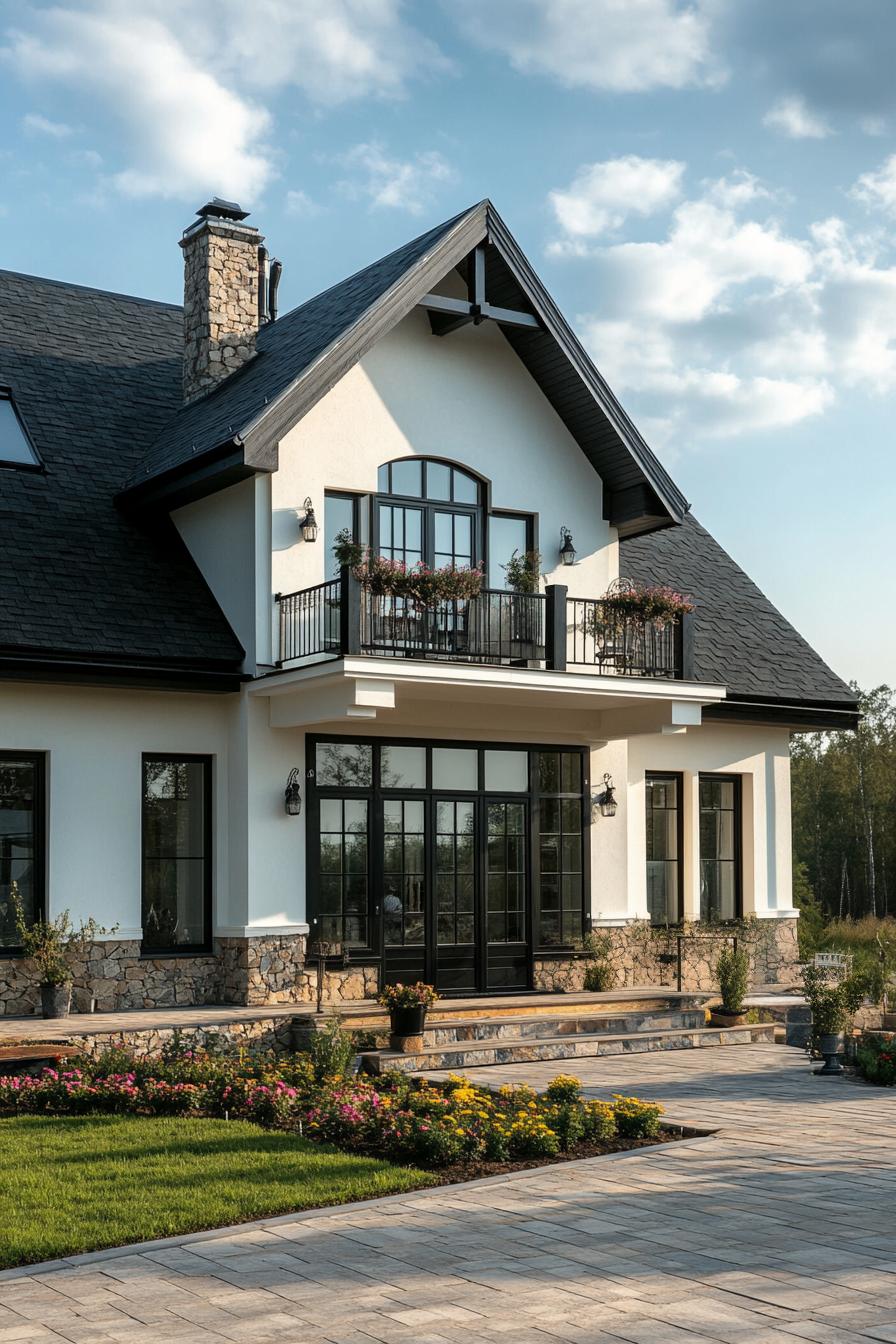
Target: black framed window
[[560, 853], [22, 839], [720, 847], [16, 448], [341, 514], [177, 853], [428, 512], [507, 533], [664, 847], [344, 880]]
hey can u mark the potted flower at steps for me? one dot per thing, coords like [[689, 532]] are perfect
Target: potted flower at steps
[[407, 1006], [51, 944], [834, 1004], [732, 972]]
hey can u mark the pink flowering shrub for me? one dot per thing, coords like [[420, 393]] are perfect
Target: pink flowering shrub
[[404, 1120]]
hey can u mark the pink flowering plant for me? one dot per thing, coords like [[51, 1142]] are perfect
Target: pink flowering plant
[[645, 602], [419, 995], [418, 584], [405, 1120]]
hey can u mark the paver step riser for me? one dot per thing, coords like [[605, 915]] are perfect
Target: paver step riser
[[583, 1047], [506, 1029], [447, 1011]]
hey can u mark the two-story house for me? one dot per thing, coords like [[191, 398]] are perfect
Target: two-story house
[[221, 743]]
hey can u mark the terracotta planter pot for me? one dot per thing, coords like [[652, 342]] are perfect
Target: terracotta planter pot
[[56, 1000], [407, 1021], [719, 1017]]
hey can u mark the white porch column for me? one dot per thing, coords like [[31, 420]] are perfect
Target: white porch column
[[690, 858]]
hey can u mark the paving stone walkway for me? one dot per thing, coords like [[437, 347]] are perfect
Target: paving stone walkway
[[780, 1228]]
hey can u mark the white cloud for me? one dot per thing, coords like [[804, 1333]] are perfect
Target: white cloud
[[35, 124], [400, 184], [185, 86], [792, 117], [878, 189], [728, 324], [300, 204], [602, 195], [620, 45]]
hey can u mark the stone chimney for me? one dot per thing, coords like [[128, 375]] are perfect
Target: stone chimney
[[222, 256]]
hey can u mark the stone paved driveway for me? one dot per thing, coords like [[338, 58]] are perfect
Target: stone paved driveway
[[780, 1228]]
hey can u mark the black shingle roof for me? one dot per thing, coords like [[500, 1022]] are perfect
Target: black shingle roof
[[94, 376], [741, 640], [284, 349]]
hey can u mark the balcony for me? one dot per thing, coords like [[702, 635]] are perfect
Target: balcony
[[549, 630]]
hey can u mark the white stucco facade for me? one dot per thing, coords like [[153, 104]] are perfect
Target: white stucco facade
[[467, 399]]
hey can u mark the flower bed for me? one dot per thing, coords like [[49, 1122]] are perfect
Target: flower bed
[[876, 1058], [454, 1124]]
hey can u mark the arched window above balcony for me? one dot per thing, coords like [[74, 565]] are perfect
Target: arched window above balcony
[[429, 511]]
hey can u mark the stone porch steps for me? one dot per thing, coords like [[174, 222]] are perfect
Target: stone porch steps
[[447, 1032], [577, 1045]]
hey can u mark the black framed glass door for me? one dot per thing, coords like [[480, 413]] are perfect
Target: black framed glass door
[[405, 920], [449, 862]]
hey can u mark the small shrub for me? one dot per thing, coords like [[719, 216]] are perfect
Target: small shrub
[[530, 1137], [598, 1122], [636, 1119], [876, 1059], [564, 1088], [733, 972], [330, 1051], [599, 977], [567, 1122]]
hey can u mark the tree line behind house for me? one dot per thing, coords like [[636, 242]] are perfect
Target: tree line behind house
[[844, 833]]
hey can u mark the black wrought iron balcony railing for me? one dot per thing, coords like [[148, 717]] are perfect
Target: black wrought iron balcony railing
[[549, 630]]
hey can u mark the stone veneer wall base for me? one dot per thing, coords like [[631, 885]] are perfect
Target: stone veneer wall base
[[113, 976], [637, 959]]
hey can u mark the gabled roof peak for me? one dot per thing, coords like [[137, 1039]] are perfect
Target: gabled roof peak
[[301, 356]]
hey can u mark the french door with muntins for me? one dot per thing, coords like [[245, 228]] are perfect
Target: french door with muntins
[[449, 863]]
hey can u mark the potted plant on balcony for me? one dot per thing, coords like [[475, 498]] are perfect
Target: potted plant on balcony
[[833, 1002], [627, 622], [52, 944], [407, 1005], [523, 573], [346, 550], [732, 972]]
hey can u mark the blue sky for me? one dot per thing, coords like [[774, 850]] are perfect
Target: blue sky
[[708, 189]]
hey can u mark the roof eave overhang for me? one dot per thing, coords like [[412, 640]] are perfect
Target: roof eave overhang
[[73, 669], [800, 716]]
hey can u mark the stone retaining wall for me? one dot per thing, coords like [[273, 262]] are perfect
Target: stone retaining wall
[[641, 957], [269, 1033]]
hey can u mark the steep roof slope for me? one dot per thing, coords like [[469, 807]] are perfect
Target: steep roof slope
[[284, 349], [95, 375], [741, 640]]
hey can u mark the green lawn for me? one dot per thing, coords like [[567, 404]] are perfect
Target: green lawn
[[70, 1184]]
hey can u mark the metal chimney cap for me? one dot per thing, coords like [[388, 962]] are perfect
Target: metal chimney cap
[[218, 209]]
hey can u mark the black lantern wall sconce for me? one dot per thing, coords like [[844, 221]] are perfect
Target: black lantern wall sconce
[[567, 550], [309, 522], [292, 796], [606, 801]]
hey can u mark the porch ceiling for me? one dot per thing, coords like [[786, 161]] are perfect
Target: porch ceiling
[[396, 695]]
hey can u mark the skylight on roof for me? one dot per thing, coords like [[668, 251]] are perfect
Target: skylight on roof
[[16, 449]]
